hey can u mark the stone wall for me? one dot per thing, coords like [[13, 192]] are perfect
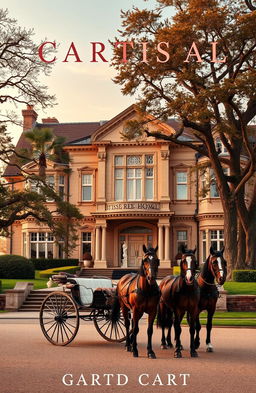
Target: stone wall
[[241, 302]]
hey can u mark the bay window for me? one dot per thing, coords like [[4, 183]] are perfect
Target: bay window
[[41, 245], [134, 177]]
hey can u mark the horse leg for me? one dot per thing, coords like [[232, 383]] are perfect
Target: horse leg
[[192, 325], [209, 347], [168, 337], [177, 322], [151, 318], [198, 328], [136, 317], [125, 312]]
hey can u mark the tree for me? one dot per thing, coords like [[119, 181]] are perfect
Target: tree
[[211, 98], [16, 205], [21, 68]]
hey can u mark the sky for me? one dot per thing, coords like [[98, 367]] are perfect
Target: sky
[[84, 91]]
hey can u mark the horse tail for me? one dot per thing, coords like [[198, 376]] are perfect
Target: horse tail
[[164, 316], [115, 309]]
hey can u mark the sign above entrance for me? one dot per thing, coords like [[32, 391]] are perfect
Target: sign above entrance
[[133, 206]]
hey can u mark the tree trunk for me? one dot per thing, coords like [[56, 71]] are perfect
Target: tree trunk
[[251, 246], [241, 247], [230, 236]]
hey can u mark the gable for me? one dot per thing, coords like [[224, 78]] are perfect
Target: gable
[[112, 130]]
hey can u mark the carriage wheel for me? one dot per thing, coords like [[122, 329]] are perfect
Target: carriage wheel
[[59, 318], [113, 331]]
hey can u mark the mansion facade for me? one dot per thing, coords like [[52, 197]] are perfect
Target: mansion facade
[[130, 193]]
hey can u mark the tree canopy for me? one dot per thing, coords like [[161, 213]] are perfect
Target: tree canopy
[[211, 98]]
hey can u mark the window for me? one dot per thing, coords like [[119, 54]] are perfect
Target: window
[[204, 240], [220, 147], [87, 187], [182, 239], [149, 187], [86, 242], [41, 245], [214, 192], [217, 239], [119, 184], [134, 177], [181, 185], [61, 186]]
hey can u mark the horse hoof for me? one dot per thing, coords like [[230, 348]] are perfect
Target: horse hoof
[[169, 345], [151, 355], [135, 354], [209, 349], [163, 346], [128, 349], [194, 354], [178, 354]]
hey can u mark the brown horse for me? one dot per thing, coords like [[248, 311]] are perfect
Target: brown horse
[[140, 293], [178, 295], [215, 268]]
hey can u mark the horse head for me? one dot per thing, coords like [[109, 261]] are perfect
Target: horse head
[[217, 265], [150, 264], [188, 265]]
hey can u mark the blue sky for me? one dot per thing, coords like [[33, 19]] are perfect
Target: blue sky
[[84, 91]]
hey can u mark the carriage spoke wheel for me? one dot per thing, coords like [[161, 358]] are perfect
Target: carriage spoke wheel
[[59, 318], [110, 330]]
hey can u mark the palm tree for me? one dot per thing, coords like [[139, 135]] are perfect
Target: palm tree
[[46, 146]]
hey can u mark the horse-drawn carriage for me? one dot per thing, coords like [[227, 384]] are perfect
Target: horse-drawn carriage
[[89, 299]]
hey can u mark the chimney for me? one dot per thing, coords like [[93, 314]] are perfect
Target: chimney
[[50, 120], [29, 117]]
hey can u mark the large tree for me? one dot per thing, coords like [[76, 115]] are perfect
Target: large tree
[[213, 99], [21, 69], [21, 75], [19, 203]]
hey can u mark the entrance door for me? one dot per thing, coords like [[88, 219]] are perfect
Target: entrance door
[[135, 250]]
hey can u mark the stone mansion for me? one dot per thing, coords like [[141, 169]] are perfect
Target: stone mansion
[[130, 193]]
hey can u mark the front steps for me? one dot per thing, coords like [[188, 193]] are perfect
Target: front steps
[[34, 301]]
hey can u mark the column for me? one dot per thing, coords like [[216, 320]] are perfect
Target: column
[[104, 244], [160, 242], [27, 245], [167, 243], [97, 244]]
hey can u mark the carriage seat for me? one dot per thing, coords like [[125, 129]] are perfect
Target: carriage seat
[[87, 286]]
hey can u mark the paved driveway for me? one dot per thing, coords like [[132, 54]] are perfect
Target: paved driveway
[[29, 364]]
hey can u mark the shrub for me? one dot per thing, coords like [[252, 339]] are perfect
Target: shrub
[[49, 272], [244, 275], [16, 266], [0, 286], [43, 264]]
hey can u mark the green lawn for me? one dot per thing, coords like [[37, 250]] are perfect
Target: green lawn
[[240, 288], [10, 283]]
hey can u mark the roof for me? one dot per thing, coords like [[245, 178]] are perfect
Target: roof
[[70, 131], [80, 133]]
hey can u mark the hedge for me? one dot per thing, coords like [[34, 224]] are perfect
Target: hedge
[[16, 266], [49, 272], [43, 264], [244, 275], [0, 286]]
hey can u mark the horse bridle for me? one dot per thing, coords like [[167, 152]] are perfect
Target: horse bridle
[[144, 259], [189, 268], [208, 283]]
